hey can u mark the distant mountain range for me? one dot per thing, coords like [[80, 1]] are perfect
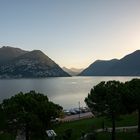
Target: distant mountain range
[[72, 71], [127, 66], [17, 63]]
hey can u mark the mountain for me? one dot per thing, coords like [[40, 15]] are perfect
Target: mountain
[[9, 53], [129, 65], [99, 67], [72, 71], [33, 64]]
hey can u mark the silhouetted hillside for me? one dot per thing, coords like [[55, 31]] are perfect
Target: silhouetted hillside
[[99, 67], [127, 66], [32, 64], [9, 53]]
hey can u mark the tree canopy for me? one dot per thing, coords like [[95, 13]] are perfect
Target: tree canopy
[[105, 99], [132, 97], [31, 112]]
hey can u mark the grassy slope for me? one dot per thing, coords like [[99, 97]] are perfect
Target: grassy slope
[[119, 136], [88, 125], [6, 137]]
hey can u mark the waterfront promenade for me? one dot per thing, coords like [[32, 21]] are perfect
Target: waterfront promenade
[[77, 117]]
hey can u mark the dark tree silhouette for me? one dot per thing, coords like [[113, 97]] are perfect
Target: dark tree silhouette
[[132, 97], [105, 99], [30, 112]]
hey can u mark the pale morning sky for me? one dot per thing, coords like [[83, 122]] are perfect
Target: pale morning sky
[[74, 33]]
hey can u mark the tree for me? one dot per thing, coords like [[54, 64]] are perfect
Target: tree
[[30, 112], [132, 97], [2, 119], [105, 99]]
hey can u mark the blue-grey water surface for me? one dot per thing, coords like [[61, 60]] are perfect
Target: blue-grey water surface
[[66, 91]]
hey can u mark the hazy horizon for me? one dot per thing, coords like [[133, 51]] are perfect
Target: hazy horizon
[[74, 33]]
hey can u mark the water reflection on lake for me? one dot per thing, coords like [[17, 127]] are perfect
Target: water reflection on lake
[[66, 91]]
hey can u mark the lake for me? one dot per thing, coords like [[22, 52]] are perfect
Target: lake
[[65, 91]]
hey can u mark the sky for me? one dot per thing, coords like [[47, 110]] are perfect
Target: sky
[[74, 33]]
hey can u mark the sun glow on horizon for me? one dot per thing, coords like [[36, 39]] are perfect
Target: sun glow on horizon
[[72, 33]]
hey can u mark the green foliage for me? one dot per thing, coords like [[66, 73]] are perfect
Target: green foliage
[[113, 98], [133, 94], [2, 119], [120, 136], [132, 97], [89, 125], [7, 136], [106, 99], [30, 112]]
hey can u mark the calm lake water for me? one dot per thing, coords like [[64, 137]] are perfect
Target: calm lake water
[[66, 91]]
